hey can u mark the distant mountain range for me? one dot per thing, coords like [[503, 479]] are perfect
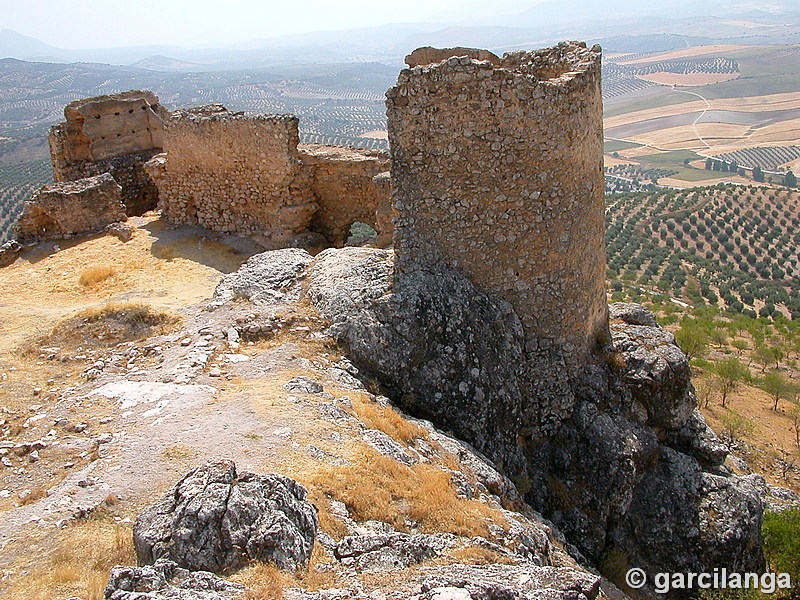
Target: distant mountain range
[[648, 26]]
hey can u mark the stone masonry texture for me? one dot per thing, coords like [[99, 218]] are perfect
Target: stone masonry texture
[[248, 175], [497, 171], [113, 134], [61, 210], [343, 185]]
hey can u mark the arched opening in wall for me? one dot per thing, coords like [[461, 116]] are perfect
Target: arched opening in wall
[[360, 234], [44, 226]]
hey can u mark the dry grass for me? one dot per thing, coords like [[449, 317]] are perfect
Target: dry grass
[[34, 496], [386, 419], [43, 289], [79, 565], [110, 324], [96, 275], [772, 435], [478, 555], [264, 581], [375, 487], [178, 452]]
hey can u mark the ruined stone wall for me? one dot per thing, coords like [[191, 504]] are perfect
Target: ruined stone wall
[[113, 134], [228, 172], [248, 175], [343, 186], [62, 210], [497, 171]]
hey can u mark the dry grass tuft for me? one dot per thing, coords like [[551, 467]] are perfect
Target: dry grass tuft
[[265, 581], [478, 555], [34, 496], [178, 452], [386, 419], [376, 487], [84, 554], [95, 275], [108, 325]]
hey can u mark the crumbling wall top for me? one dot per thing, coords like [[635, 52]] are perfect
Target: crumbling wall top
[[314, 152], [555, 66], [561, 62], [108, 126], [428, 55]]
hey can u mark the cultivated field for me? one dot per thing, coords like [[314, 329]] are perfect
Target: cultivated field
[[16, 184], [730, 246], [715, 100]]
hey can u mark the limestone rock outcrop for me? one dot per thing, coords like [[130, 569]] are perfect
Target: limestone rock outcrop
[[587, 449], [657, 373], [506, 582], [62, 210], [633, 314], [684, 519], [390, 550], [268, 278], [697, 439], [165, 580], [215, 519]]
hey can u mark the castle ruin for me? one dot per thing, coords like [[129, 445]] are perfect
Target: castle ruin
[[113, 134], [249, 175], [497, 171]]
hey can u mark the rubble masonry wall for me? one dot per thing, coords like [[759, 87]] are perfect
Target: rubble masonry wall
[[497, 171], [248, 175]]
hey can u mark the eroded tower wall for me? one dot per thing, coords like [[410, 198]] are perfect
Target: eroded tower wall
[[497, 171], [113, 134]]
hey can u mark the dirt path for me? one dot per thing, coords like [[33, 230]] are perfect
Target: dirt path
[[700, 116]]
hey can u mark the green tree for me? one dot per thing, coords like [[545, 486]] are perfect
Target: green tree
[[729, 373], [767, 355], [778, 387], [737, 426], [781, 531], [758, 174], [739, 345], [693, 341], [789, 180], [718, 336]]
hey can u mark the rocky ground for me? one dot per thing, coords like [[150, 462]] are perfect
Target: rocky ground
[[94, 435], [239, 414]]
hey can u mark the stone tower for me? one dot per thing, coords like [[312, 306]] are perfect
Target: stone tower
[[497, 171], [113, 134]]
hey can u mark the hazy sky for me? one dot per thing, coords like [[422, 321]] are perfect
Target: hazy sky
[[105, 23]]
